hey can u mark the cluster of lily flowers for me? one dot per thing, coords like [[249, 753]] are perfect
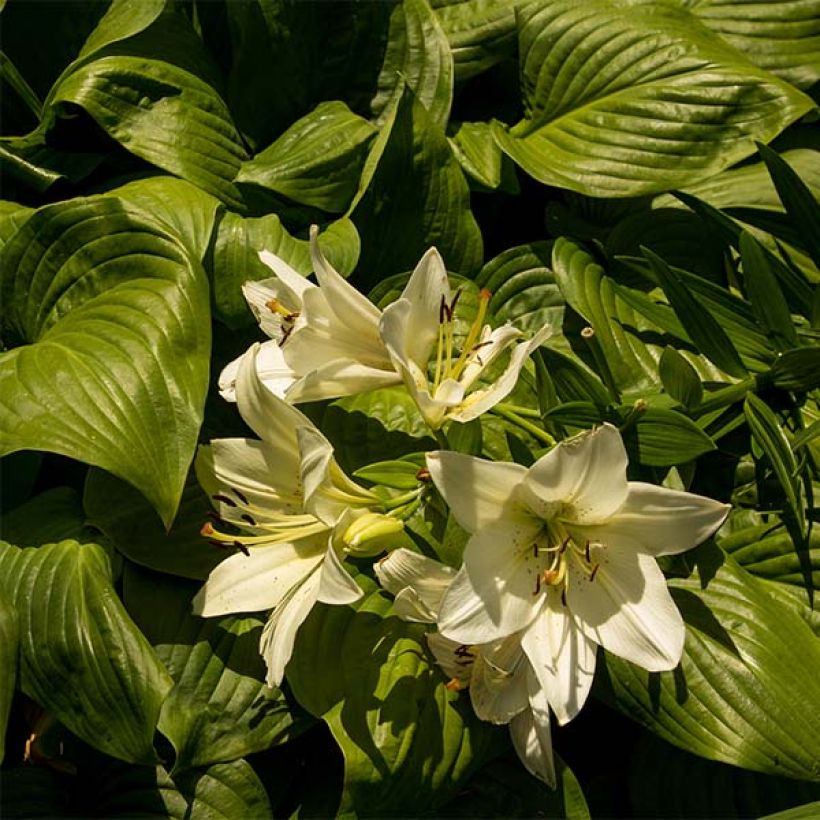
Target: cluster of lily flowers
[[561, 555]]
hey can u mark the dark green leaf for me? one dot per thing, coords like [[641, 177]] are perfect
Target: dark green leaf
[[220, 708], [666, 437], [765, 295], [702, 327], [93, 380], [800, 203], [81, 657], [465, 438], [797, 369], [408, 742], [145, 104], [417, 54], [317, 161], [129, 523], [748, 674], [605, 115], [413, 195], [679, 378], [54, 515], [9, 643]]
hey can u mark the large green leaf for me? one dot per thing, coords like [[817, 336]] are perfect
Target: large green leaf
[[417, 53], [122, 20], [767, 550], [126, 519], [145, 104], [219, 709], [780, 36], [112, 369], [631, 103], [317, 161], [524, 289], [481, 32], [220, 792], [481, 158], [408, 742], [9, 643], [747, 685], [413, 195], [81, 657]]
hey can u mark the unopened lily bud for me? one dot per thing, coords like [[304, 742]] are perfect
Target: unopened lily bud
[[371, 534]]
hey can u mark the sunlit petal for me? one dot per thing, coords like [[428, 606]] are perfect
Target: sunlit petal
[[427, 578]]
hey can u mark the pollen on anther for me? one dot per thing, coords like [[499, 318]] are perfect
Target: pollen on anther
[[249, 519], [224, 499], [242, 548], [207, 529], [454, 685]]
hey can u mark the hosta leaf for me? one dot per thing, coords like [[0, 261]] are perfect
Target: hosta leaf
[[782, 37], [54, 515], [749, 185], [145, 104], [408, 742], [126, 519], [481, 32], [417, 54], [187, 211], [95, 379], [480, 156], [222, 791], [220, 708], [661, 780], [413, 195], [623, 104], [748, 675], [122, 20], [12, 218], [9, 643], [524, 289], [81, 657], [622, 360], [767, 551], [317, 161]]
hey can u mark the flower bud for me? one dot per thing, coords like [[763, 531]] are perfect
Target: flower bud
[[371, 533]]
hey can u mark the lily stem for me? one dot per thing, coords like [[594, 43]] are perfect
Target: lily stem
[[535, 431], [441, 439], [399, 500], [524, 412]]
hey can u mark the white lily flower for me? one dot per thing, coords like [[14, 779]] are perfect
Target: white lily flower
[[564, 554], [502, 685], [291, 504], [325, 339], [420, 323]]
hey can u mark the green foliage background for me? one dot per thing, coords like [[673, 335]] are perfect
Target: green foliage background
[[647, 169]]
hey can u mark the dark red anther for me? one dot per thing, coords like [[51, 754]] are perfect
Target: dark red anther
[[224, 499], [240, 495], [242, 548]]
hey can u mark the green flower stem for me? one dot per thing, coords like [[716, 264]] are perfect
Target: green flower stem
[[399, 500], [441, 439], [532, 429], [524, 412]]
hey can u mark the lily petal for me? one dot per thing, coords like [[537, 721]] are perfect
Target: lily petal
[[455, 659], [259, 581], [269, 483], [427, 578], [482, 400], [279, 633], [424, 292], [627, 608], [291, 279], [562, 657], [272, 419], [327, 490], [492, 594], [357, 311], [478, 492], [498, 686], [493, 344], [531, 735], [582, 478], [271, 367], [338, 378], [660, 521], [336, 586]]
